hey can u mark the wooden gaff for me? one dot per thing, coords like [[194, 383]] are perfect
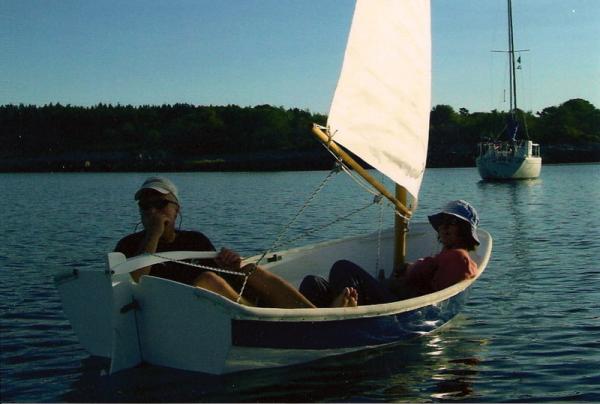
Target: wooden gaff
[[337, 150], [399, 199]]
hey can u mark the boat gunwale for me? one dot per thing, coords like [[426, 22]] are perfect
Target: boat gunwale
[[240, 312]]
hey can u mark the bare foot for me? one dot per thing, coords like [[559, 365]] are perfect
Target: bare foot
[[348, 298], [353, 299]]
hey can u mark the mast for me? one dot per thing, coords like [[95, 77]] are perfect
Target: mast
[[512, 61], [400, 230], [512, 70], [511, 58]]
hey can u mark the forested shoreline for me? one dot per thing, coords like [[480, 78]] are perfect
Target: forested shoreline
[[183, 137]]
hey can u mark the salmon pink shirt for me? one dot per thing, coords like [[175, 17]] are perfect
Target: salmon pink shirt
[[449, 267]]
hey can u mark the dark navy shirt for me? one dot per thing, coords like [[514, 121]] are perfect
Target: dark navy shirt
[[185, 240]]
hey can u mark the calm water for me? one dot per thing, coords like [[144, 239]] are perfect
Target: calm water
[[530, 332]]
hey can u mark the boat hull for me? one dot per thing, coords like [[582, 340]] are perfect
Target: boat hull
[[178, 326], [509, 160], [509, 169], [283, 343], [357, 332]]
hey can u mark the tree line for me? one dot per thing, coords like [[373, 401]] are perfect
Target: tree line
[[184, 136]]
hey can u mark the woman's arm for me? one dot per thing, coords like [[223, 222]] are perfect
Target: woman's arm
[[455, 266]]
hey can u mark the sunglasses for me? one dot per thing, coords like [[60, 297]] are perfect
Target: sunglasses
[[450, 220], [157, 204]]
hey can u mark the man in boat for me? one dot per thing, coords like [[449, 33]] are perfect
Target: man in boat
[[159, 206], [456, 225]]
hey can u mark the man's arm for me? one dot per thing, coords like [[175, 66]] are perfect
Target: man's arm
[[156, 224]]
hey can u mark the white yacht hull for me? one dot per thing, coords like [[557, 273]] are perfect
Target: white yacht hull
[[509, 169], [509, 161]]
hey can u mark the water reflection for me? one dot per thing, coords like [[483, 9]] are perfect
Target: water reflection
[[532, 326], [394, 373], [457, 367], [515, 225]]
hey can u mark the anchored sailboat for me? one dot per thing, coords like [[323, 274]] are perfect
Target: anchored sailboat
[[513, 157], [380, 112]]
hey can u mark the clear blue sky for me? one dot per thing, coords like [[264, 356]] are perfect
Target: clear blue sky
[[280, 52]]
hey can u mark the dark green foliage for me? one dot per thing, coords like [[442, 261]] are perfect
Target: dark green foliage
[[575, 121], [118, 137], [567, 133], [28, 130], [184, 136]]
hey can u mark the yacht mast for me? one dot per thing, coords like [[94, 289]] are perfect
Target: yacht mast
[[511, 53]]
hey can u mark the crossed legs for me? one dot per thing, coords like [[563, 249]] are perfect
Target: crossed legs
[[342, 276]]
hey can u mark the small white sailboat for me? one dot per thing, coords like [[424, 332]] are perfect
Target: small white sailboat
[[380, 112], [514, 157]]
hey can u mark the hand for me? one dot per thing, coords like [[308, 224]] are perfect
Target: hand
[[229, 259], [400, 270], [155, 223]]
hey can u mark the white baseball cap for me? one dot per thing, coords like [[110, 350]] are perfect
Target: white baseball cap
[[159, 184]]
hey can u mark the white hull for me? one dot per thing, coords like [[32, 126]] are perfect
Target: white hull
[[510, 169], [175, 325], [509, 161]]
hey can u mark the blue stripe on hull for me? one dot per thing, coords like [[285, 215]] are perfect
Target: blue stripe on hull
[[345, 333]]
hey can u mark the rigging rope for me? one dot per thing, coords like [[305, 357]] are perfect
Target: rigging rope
[[278, 243], [192, 264], [337, 220], [360, 181], [309, 200], [340, 165], [246, 275]]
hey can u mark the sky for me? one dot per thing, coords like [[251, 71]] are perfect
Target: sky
[[281, 52]]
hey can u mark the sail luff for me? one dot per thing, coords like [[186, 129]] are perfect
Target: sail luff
[[380, 110]]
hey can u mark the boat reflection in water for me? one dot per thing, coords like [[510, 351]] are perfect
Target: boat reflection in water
[[448, 360]]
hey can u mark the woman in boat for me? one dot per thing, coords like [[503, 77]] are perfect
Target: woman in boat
[[456, 225], [159, 206]]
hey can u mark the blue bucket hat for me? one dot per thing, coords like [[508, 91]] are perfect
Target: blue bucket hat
[[460, 209]]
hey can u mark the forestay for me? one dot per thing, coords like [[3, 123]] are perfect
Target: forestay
[[380, 110]]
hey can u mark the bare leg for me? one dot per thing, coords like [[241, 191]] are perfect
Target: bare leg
[[214, 283], [276, 291]]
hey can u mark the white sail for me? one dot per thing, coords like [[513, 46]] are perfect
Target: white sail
[[380, 110]]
